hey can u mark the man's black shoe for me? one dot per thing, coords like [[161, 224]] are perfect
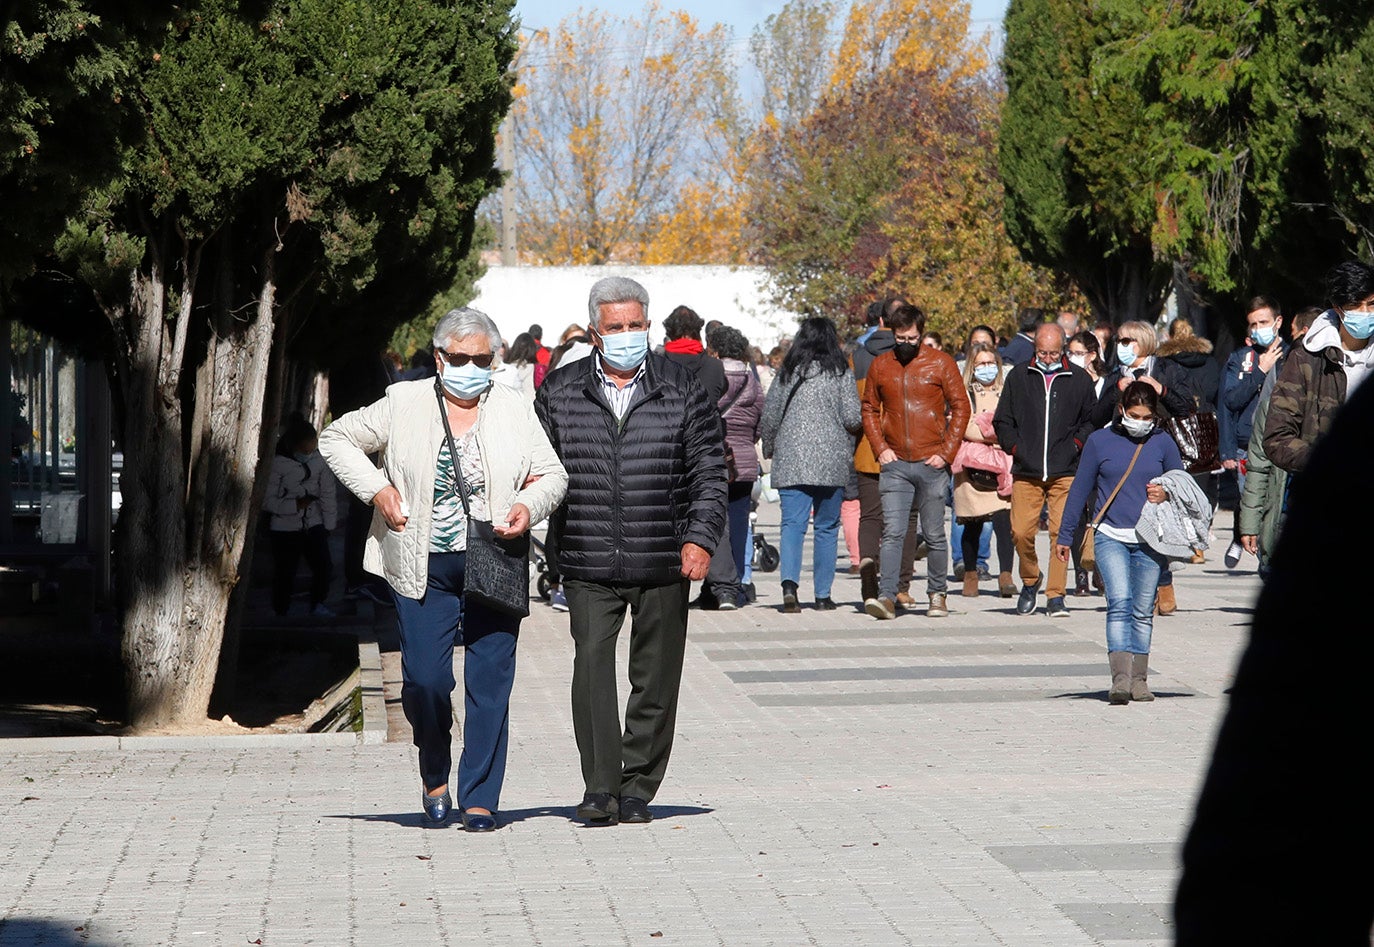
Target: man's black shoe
[[706, 601], [598, 807], [1025, 604], [634, 811]]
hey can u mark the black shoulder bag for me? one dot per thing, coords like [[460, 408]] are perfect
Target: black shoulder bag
[[497, 570]]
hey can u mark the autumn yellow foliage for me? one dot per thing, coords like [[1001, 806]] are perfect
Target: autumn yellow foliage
[[890, 184]]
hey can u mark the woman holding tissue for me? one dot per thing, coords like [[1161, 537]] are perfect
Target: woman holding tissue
[[419, 537]]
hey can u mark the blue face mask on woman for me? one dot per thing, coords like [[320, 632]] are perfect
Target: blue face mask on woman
[[985, 374], [1125, 354], [1360, 325], [624, 350], [466, 381]]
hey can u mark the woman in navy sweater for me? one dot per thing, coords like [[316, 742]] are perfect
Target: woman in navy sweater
[[1130, 569]]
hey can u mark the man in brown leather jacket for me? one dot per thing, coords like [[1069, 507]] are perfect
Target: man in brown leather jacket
[[915, 410]]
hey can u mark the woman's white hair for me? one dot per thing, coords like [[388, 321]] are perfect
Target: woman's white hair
[[465, 323]]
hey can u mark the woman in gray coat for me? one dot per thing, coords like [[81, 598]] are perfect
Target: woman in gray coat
[[810, 420]]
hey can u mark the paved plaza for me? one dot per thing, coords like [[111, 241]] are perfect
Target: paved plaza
[[835, 780]]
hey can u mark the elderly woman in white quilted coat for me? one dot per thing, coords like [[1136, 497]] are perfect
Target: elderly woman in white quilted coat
[[418, 540]]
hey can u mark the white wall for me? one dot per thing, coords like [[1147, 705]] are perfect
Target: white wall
[[556, 296]]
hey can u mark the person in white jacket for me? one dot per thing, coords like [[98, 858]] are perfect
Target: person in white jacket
[[302, 503], [418, 543]]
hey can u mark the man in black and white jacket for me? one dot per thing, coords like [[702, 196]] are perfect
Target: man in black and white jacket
[[1042, 420]]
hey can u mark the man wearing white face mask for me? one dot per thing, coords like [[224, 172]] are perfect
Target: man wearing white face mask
[[1334, 359], [645, 454], [1241, 381]]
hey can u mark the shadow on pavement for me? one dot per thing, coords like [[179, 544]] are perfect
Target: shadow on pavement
[[1102, 695], [23, 931], [510, 816]]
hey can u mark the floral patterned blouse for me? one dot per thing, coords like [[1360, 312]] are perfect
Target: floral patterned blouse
[[450, 527]]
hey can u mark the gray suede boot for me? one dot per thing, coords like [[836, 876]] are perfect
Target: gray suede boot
[[1140, 670], [1120, 663]]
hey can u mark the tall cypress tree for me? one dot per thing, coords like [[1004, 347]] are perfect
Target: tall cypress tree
[[1068, 151], [306, 169]]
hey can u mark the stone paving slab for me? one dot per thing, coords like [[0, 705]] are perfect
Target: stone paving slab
[[929, 809]]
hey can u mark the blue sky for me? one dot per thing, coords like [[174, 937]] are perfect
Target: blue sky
[[740, 14]]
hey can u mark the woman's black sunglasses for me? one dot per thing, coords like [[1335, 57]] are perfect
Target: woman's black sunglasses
[[459, 359]]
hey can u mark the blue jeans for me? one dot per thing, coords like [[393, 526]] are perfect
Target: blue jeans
[[1130, 573], [430, 627], [798, 505], [901, 483], [956, 541]]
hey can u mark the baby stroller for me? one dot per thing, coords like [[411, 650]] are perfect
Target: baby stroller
[[539, 562], [766, 557]]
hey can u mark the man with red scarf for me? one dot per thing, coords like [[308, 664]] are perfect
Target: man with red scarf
[[683, 328]]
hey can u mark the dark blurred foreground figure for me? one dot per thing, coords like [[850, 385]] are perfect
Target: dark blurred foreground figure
[[1279, 849]]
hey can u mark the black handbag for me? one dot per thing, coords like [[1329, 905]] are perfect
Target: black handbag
[[981, 479], [497, 570]]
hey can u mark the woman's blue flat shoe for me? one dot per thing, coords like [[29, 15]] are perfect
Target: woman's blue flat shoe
[[478, 821], [436, 809]]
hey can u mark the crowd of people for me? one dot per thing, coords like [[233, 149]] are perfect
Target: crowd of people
[[647, 464]]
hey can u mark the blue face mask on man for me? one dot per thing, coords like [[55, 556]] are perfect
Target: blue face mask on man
[[1359, 324], [1263, 335], [624, 350]]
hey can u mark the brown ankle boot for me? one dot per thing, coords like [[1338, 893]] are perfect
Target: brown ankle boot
[[1120, 663], [1165, 602], [1140, 671], [1006, 586], [971, 583]]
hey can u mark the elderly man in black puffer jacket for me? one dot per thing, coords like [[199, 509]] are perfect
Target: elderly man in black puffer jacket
[[642, 443]]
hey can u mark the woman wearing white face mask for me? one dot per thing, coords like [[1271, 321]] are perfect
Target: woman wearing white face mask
[[1116, 467], [418, 543], [1136, 354], [977, 497], [1085, 351]]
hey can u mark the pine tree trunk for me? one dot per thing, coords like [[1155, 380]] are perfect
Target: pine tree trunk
[[1129, 286], [187, 489]]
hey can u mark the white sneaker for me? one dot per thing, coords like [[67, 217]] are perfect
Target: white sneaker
[[1233, 554]]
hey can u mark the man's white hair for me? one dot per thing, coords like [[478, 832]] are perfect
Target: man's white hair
[[615, 289]]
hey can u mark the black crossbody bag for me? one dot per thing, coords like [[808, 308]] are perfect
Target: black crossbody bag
[[497, 570]]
